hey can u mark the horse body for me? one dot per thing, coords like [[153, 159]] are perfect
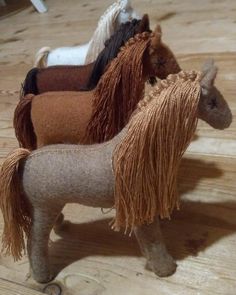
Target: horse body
[[63, 78], [75, 55], [136, 171], [78, 106], [80, 174], [118, 13]]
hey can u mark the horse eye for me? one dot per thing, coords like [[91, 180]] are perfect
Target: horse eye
[[160, 62], [213, 103]]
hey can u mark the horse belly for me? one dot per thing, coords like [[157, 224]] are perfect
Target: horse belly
[[61, 117]]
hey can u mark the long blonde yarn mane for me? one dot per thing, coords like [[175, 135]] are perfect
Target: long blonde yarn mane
[[146, 162], [119, 90], [104, 30]]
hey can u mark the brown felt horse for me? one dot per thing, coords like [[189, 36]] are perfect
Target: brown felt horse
[[75, 78], [95, 116]]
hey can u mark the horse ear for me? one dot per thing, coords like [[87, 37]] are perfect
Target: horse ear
[[158, 30], [207, 65], [209, 71], [124, 4], [144, 24], [156, 39]]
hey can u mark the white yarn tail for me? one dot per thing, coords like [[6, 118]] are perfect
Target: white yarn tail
[[41, 57]]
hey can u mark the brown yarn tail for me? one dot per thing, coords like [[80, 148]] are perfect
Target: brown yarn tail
[[15, 208], [24, 129]]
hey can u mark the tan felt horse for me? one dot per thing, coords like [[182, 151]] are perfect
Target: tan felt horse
[[136, 171]]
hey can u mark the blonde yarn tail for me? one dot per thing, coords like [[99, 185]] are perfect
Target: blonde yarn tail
[[41, 57]]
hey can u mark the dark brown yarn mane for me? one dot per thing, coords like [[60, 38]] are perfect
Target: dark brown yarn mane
[[112, 46], [119, 90]]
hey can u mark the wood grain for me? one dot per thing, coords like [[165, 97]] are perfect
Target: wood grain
[[89, 257]]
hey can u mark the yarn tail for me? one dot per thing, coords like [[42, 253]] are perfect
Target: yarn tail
[[24, 129], [41, 57], [30, 83], [14, 205]]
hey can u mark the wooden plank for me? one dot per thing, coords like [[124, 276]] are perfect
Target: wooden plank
[[11, 288], [89, 257]]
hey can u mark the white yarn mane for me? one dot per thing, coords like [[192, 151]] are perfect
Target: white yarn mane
[[104, 30]]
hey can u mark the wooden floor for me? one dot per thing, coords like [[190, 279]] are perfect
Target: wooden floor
[[90, 257]]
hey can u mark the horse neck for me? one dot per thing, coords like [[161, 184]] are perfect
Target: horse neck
[[104, 30]]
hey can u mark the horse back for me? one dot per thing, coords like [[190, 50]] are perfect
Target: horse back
[[63, 78]]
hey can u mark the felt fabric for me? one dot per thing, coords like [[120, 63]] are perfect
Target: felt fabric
[[63, 78], [71, 174], [77, 108]]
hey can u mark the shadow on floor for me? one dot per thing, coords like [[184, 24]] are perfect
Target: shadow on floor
[[192, 229]]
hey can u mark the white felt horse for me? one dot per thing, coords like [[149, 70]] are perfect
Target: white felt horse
[[116, 14]]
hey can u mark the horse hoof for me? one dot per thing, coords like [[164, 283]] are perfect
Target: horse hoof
[[43, 278], [162, 268]]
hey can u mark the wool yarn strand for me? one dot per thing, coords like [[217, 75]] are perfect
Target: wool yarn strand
[[146, 164]]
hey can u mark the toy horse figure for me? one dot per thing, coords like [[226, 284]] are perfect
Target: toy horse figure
[[95, 116], [135, 172], [118, 13], [75, 78]]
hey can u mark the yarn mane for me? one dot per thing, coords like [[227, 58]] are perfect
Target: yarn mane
[[146, 161], [112, 47], [105, 28], [119, 90]]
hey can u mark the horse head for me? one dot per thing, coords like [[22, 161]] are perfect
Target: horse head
[[213, 108], [126, 13], [160, 60]]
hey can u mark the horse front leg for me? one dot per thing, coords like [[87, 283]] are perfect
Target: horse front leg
[[152, 245], [43, 221]]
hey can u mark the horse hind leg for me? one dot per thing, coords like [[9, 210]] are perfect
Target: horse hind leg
[[153, 248], [43, 221]]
